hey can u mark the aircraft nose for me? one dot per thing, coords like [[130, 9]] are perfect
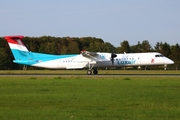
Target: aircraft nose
[[169, 61]]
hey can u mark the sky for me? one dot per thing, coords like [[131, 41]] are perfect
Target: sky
[[111, 20]]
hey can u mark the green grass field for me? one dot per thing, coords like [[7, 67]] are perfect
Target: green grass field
[[83, 98]]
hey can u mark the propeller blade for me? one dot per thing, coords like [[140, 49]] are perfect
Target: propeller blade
[[113, 55]]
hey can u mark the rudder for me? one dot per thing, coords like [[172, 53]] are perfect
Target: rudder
[[19, 50]]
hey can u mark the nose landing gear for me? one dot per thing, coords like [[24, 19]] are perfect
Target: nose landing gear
[[165, 67]]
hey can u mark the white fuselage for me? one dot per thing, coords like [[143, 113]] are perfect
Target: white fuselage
[[103, 60]]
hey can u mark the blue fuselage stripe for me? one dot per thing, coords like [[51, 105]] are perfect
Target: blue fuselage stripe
[[30, 58]]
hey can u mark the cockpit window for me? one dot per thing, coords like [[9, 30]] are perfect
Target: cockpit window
[[159, 55], [156, 55]]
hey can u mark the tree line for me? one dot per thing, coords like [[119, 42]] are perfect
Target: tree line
[[73, 45]]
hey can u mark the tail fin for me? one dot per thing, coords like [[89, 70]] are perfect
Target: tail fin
[[19, 50]]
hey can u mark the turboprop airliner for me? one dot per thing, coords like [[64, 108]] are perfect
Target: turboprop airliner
[[90, 60]]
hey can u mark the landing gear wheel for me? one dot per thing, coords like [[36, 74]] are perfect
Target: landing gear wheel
[[95, 71], [89, 72]]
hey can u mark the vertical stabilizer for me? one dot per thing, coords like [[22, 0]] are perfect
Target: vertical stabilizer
[[19, 50]]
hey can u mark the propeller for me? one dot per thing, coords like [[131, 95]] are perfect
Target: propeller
[[113, 55]]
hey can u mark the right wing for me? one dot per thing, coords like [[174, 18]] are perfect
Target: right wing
[[91, 55]]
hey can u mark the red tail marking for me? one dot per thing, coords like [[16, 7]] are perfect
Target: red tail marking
[[14, 39]]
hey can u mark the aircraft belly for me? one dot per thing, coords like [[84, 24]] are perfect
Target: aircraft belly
[[76, 65]]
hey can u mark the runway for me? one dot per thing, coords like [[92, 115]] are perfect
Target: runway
[[84, 75]]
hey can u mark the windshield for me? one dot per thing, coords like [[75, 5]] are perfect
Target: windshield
[[159, 55]]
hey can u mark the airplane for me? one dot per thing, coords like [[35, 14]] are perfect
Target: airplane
[[90, 60]]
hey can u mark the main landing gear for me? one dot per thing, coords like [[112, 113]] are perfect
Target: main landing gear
[[90, 67], [95, 71]]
